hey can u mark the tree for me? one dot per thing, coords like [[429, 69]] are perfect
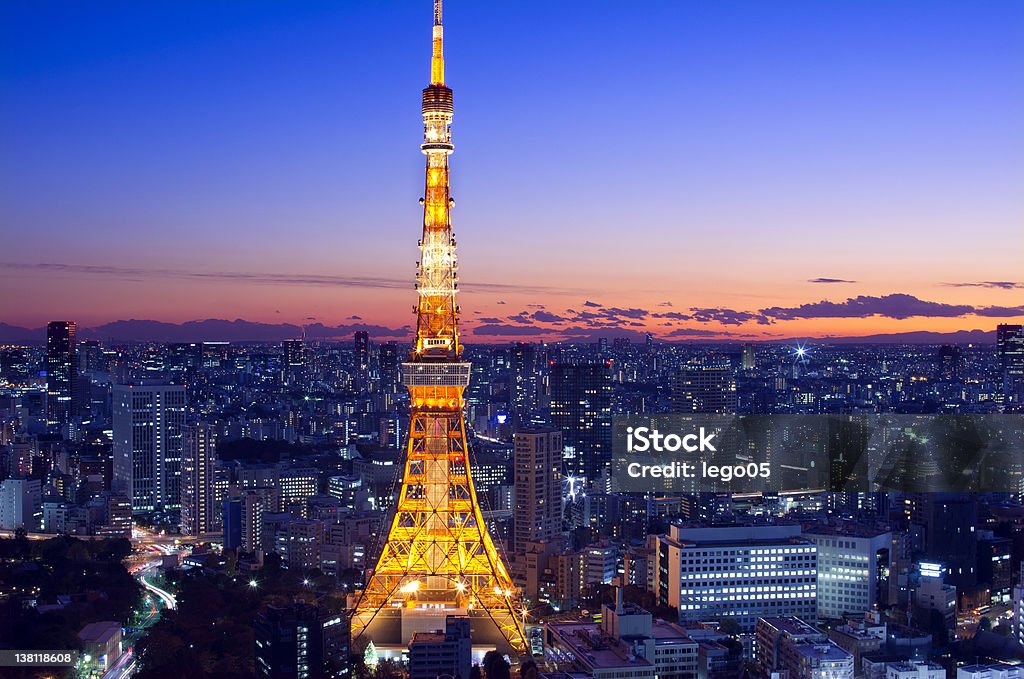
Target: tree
[[730, 627], [495, 666]]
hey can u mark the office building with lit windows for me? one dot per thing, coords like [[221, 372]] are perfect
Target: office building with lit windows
[[538, 485], [737, 572], [149, 423], [581, 407], [61, 371], [198, 499], [853, 568]]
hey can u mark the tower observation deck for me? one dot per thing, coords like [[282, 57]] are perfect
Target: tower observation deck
[[438, 558]]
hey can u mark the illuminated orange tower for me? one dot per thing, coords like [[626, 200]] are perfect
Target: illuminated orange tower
[[438, 558]]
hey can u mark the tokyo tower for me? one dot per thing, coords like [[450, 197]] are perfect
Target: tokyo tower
[[438, 558]]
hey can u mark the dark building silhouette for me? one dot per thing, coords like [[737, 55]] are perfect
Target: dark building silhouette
[[61, 371], [362, 349], [581, 406], [950, 362], [704, 389], [299, 640], [1010, 351]]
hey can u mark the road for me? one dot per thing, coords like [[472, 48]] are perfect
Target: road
[[165, 596], [152, 547]]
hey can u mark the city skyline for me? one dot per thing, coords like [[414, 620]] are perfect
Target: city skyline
[[825, 187]]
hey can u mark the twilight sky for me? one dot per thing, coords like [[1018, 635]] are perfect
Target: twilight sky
[[711, 168]]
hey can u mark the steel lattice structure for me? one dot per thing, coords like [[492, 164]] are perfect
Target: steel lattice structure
[[438, 557]]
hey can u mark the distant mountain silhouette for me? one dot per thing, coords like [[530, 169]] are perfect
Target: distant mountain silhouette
[[915, 337], [238, 330], [211, 330]]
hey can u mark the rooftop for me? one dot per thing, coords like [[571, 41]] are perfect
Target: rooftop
[[99, 632], [590, 647]]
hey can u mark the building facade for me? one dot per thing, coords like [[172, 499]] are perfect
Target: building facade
[[149, 424]]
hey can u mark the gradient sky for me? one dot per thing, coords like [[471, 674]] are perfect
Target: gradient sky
[[259, 160]]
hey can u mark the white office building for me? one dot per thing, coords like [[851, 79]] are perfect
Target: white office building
[[21, 504], [853, 568], [149, 425], [738, 572]]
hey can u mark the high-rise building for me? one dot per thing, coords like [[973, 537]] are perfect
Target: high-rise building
[[255, 503], [362, 350], [522, 381], [704, 389], [61, 371], [950, 362], [21, 504], [581, 408], [738, 572], [149, 424], [390, 367], [438, 558], [294, 358], [1010, 350], [231, 517], [853, 568], [950, 538], [538, 486], [748, 360], [198, 499]]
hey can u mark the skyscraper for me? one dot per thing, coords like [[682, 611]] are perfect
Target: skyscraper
[[61, 371], [362, 350], [749, 357], [148, 439], [1010, 349], [438, 558], [390, 369], [522, 381], [950, 362], [198, 501], [294, 359], [538, 486], [581, 407], [704, 389]]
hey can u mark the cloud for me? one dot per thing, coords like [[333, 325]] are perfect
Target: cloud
[[675, 315], [897, 305], [136, 274], [664, 303], [504, 329], [489, 319], [1000, 311], [700, 332], [546, 317], [999, 285], [728, 316], [521, 317], [355, 318], [829, 280], [591, 304], [616, 312]]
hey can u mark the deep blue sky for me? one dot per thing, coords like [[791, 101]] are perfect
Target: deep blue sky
[[875, 141]]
